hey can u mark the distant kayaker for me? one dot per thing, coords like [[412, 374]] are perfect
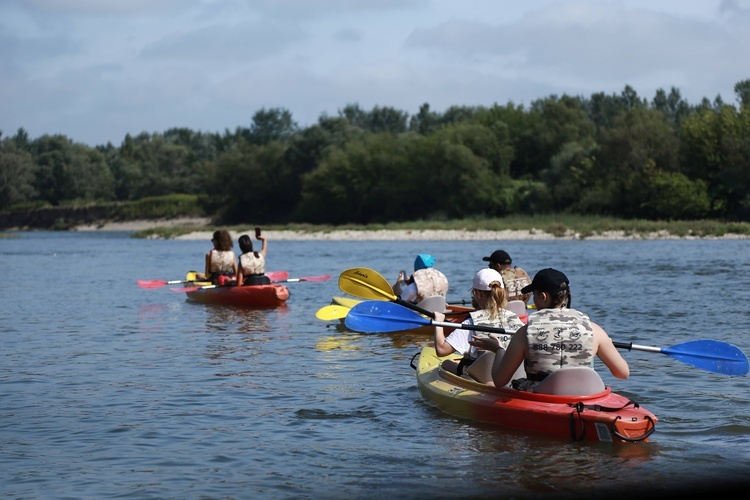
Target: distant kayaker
[[556, 337], [488, 292], [514, 278], [251, 265], [220, 261], [426, 281]]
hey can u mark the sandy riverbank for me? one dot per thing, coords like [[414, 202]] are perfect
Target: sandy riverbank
[[388, 235]]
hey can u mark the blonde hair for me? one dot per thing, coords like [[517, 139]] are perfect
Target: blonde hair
[[497, 299]]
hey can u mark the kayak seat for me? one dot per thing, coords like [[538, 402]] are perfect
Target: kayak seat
[[433, 303], [574, 381], [518, 307], [481, 369]]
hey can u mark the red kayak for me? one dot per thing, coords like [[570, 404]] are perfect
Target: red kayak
[[597, 415], [260, 296], [254, 296]]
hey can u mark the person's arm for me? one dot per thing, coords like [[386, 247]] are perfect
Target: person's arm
[[240, 275], [608, 353], [208, 266], [264, 246], [504, 366], [442, 347]]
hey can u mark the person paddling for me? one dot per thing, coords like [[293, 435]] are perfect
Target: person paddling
[[514, 278], [556, 337], [488, 292], [426, 281]]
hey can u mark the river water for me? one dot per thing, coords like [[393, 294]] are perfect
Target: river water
[[109, 390]]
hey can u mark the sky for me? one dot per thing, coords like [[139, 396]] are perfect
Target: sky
[[96, 70]]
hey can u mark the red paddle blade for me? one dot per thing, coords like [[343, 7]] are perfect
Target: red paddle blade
[[325, 277], [277, 275], [151, 283]]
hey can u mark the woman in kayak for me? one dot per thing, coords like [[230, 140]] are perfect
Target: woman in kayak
[[556, 336], [488, 293], [251, 266], [426, 281], [220, 261]]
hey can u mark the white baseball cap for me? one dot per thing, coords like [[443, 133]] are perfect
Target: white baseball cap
[[486, 276]]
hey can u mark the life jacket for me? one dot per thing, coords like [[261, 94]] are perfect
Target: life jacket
[[514, 280], [222, 262], [558, 338], [251, 264], [430, 282], [505, 319]]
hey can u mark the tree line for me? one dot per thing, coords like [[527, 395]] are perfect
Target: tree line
[[619, 155]]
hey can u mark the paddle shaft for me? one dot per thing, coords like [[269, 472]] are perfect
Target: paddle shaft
[[478, 328], [631, 346]]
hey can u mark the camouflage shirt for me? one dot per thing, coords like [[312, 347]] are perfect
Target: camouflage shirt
[[558, 338]]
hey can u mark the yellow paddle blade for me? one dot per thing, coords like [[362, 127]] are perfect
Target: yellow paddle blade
[[192, 275], [332, 312], [365, 283], [345, 301]]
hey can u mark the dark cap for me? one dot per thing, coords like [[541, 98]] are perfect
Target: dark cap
[[499, 256], [548, 280]]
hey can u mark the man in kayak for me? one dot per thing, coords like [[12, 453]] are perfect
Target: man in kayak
[[514, 278], [488, 292], [556, 337], [426, 281]]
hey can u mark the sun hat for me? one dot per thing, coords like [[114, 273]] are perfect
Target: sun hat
[[424, 261], [498, 256], [484, 277], [548, 280]]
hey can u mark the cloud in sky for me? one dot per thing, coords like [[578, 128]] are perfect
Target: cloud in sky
[[96, 71]]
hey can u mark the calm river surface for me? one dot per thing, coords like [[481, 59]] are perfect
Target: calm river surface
[[108, 390]]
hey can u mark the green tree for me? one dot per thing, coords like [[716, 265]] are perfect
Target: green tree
[[716, 149], [366, 180], [70, 171], [637, 148], [553, 123], [742, 89], [273, 124], [16, 174], [244, 185]]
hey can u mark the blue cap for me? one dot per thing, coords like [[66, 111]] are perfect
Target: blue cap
[[423, 261]]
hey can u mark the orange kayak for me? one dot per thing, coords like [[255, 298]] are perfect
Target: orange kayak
[[601, 416]]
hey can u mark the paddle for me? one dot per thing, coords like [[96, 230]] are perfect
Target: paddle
[[150, 284], [159, 283], [709, 355], [279, 273], [368, 284], [332, 312], [374, 316], [324, 277], [339, 311]]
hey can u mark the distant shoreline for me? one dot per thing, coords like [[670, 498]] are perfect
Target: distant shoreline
[[394, 235]]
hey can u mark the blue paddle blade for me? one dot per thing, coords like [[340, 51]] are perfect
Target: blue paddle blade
[[711, 355], [375, 316]]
